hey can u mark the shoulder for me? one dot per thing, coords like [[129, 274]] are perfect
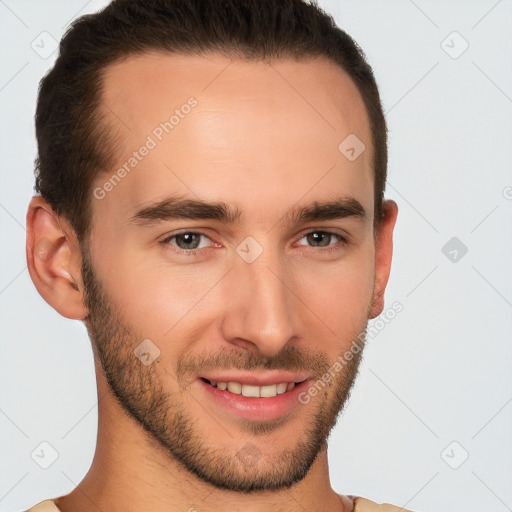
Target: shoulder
[[364, 505], [361, 505], [44, 506]]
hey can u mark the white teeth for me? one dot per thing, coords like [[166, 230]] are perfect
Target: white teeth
[[281, 388], [235, 387], [249, 390], [268, 391]]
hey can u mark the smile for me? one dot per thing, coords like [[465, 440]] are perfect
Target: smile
[[248, 401], [249, 390]]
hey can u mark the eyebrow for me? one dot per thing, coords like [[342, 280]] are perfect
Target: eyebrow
[[177, 208]]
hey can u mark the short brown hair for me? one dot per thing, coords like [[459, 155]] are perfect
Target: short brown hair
[[70, 131]]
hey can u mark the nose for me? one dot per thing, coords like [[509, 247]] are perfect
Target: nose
[[261, 309]]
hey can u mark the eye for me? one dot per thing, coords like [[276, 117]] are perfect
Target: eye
[[190, 243], [187, 241], [319, 238]]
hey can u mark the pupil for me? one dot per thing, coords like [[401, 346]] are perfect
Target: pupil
[[314, 237], [188, 238]]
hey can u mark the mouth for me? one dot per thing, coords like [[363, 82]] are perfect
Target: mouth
[[250, 401], [253, 390]]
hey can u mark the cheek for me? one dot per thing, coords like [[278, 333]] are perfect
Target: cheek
[[340, 295], [159, 299]]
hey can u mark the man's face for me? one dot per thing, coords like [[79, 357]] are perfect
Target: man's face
[[240, 299]]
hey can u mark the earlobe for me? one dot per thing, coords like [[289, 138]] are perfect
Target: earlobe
[[383, 256], [54, 260]]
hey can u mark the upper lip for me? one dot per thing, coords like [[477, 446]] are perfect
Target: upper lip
[[257, 379]]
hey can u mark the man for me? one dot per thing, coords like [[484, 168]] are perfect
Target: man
[[211, 179]]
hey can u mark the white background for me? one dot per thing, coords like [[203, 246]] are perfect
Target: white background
[[439, 372]]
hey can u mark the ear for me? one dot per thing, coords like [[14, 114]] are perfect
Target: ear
[[54, 260], [383, 255]]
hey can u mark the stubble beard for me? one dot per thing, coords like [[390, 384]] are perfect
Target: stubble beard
[[161, 411]]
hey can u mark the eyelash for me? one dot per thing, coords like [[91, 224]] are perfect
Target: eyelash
[[340, 245]]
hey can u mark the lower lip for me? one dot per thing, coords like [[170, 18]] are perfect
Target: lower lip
[[253, 408]]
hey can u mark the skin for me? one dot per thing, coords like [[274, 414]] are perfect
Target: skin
[[263, 138]]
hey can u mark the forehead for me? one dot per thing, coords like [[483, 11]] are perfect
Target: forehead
[[230, 129]]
